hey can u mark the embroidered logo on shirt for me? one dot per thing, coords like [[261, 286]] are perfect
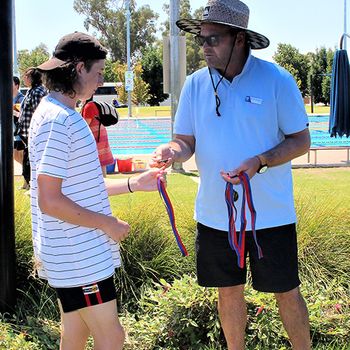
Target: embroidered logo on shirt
[[254, 100]]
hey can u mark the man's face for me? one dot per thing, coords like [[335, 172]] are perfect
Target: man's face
[[90, 80], [217, 56]]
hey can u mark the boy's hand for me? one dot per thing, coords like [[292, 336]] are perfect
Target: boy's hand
[[115, 228]]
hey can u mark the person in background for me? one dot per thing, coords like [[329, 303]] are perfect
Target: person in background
[[242, 116], [31, 79], [89, 111], [18, 97], [75, 236]]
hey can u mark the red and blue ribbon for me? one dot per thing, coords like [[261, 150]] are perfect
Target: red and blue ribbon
[[237, 241], [164, 195]]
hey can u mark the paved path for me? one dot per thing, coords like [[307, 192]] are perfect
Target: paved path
[[325, 158]]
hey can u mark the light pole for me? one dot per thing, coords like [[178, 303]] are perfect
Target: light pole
[[345, 23], [175, 86], [128, 75]]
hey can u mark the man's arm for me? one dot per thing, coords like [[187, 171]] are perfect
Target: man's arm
[[180, 149], [53, 202], [294, 145]]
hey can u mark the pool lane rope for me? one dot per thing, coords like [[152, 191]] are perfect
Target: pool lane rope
[[237, 240], [164, 195]]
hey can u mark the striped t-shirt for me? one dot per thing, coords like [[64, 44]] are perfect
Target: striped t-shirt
[[61, 145]]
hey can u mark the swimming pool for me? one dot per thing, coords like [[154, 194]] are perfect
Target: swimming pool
[[142, 136], [320, 136], [138, 136]]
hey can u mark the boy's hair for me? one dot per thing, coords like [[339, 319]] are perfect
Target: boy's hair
[[34, 75], [63, 79], [16, 81]]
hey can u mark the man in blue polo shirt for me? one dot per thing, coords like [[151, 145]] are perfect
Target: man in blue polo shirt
[[242, 115]]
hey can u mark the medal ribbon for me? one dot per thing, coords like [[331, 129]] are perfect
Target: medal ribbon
[[238, 243], [164, 195]]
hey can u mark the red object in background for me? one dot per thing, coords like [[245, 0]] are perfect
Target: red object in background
[[124, 165]]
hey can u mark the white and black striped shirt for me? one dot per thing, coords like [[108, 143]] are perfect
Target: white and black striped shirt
[[61, 145]]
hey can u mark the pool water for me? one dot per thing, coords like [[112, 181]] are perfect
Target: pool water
[[320, 136], [138, 136], [142, 136]]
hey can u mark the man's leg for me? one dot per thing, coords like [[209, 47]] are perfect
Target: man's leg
[[74, 331], [103, 323], [294, 315], [233, 315]]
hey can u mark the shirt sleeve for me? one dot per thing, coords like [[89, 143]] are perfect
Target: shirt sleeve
[[292, 117], [183, 121], [89, 112], [52, 149]]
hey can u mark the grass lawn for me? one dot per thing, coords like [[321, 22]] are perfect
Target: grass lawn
[[150, 254], [164, 111], [139, 112], [318, 109]]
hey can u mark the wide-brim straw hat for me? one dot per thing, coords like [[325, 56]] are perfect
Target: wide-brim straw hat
[[232, 13]]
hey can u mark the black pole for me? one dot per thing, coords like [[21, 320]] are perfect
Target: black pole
[[7, 232], [311, 94]]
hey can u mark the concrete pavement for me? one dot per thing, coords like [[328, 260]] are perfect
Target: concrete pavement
[[325, 158]]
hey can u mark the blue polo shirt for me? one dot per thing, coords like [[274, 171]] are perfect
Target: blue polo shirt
[[259, 107]]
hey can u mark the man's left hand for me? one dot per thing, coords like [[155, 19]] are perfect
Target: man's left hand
[[249, 166]]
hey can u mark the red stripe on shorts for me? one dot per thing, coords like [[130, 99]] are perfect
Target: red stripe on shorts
[[87, 299]]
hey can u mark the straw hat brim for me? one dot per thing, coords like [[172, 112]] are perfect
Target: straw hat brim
[[193, 26]]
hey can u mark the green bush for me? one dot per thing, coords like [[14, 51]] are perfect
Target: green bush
[[180, 314]]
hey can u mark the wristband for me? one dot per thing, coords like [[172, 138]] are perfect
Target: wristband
[[129, 188]]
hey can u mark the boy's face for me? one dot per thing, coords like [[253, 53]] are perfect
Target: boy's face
[[90, 80]]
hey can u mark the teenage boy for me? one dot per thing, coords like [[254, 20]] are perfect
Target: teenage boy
[[74, 233]]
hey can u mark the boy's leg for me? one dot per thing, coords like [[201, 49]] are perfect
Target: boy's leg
[[74, 331], [103, 323]]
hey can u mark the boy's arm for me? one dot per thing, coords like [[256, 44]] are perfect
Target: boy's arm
[[146, 181], [53, 202]]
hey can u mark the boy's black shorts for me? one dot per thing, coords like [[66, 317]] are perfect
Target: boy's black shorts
[[276, 272], [76, 298]]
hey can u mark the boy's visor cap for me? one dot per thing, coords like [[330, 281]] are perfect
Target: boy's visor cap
[[75, 47]]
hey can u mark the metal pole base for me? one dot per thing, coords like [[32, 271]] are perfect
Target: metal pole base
[[177, 168]]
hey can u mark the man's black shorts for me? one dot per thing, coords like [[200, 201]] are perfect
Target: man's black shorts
[[76, 298], [276, 272]]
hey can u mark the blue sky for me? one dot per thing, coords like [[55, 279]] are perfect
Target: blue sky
[[305, 24]]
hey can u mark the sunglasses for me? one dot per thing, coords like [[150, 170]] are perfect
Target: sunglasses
[[211, 40]]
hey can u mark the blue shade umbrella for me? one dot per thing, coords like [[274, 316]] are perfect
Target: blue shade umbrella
[[339, 121]]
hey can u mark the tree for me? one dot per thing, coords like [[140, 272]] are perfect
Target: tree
[[119, 70], [153, 74], [140, 93], [109, 74], [194, 53], [32, 58], [296, 63], [326, 82], [318, 79], [110, 22]]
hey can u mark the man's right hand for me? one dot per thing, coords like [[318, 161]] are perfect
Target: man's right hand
[[162, 157], [115, 228]]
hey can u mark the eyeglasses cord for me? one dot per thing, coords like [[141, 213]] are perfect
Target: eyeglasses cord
[[215, 87]]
